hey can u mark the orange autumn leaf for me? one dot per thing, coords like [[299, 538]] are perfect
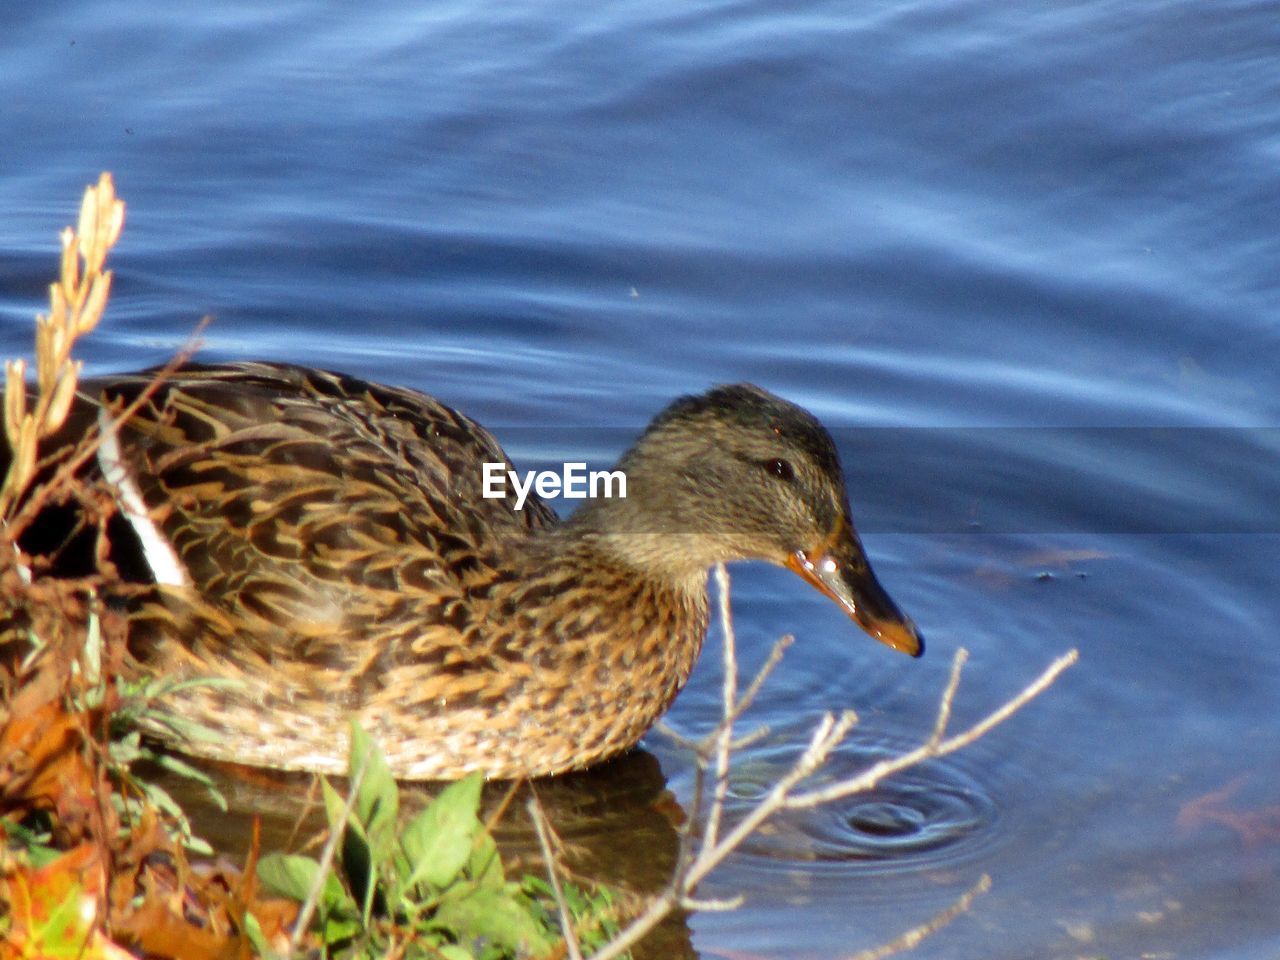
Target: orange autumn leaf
[[46, 766], [161, 931], [52, 910]]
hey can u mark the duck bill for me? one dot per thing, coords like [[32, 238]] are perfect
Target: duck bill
[[840, 570]]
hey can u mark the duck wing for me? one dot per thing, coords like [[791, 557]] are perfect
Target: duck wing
[[306, 508]]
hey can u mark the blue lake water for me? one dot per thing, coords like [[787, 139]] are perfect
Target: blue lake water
[[1023, 259]]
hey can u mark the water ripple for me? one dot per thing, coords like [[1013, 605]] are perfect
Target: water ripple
[[933, 816]]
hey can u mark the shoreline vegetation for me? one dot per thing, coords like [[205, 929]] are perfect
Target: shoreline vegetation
[[96, 862]]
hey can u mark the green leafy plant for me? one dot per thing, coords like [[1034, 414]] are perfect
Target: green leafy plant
[[435, 888], [134, 712]]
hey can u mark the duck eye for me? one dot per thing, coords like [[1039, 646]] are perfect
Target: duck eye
[[780, 468]]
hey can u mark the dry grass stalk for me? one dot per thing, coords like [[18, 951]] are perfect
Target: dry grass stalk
[[50, 615], [76, 302], [573, 949]]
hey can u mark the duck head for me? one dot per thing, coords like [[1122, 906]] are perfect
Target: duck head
[[740, 474]]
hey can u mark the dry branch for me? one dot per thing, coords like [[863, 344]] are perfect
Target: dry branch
[[713, 755]]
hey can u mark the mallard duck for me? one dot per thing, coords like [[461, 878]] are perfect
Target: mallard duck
[[325, 543]]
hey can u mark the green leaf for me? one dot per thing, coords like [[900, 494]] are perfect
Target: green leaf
[[32, 843], [452, 951], [125, 750], [492, 915], [253, 930], [339, 929], [485, 866], [333, 804], [438, 841], [174, 765], [288, 874], [354, 852], [377, 798], [160, 798], [592, 910], [360, 870], [53, 906], [138, 708], [293, 876], [63, 931]]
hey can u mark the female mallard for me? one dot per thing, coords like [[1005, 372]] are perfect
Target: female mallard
[[324, 543]]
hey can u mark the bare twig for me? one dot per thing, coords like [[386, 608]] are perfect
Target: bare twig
[[747, 739], [723, 736], [780, 647], [543, 830], [635, 931], [949, 695], [678, 738], [713, 754], [929, 749], [723, 905], [826, 736], [1010, 707], [326, 859], [912, 937]]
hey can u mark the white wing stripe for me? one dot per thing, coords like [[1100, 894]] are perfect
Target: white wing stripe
[[156, 550]]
